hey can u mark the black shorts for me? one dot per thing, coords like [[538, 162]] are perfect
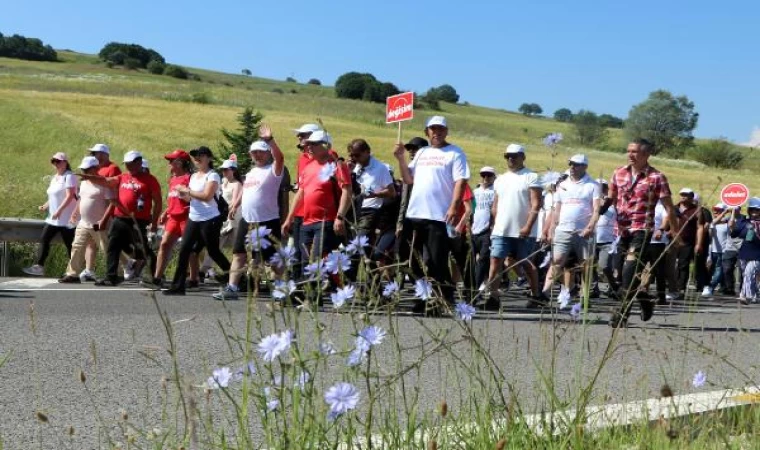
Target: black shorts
[[243, 231]]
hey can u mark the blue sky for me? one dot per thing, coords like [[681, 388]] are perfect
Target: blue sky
[[599, 55]]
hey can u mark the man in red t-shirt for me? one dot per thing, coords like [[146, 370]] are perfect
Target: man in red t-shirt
[[325, 192], [304, 158], [138, 205]]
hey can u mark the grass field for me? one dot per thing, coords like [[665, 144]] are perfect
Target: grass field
[[69, 105]]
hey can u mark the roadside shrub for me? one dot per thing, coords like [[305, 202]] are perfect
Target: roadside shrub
[[156, 67], [176, 72], [717, 153], [200, 97]]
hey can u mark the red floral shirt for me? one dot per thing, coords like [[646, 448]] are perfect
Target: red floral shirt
[[636, 198]]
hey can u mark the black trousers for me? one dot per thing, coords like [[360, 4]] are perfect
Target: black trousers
[[636, 244], [432, 235], [481, 250], [207, 234], [131, 237], [658, 269], [729, 280], [464, 258], [48, 234]]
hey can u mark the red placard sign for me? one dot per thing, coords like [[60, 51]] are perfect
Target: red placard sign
[[734, 194], [399, 108]]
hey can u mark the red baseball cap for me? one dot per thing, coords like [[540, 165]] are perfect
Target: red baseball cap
[[177, 154]]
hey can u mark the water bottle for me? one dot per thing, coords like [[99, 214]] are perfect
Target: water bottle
[[750, 234], [140, 203], [451, 230]]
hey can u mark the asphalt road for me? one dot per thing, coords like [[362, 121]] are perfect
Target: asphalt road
[[115, 336]]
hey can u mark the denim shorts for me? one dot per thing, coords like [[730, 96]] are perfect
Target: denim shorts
[[518, 248]]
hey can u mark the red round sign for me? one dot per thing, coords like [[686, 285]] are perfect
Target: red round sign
[[734, 194]]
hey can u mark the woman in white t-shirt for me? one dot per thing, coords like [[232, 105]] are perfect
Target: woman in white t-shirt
[[205, 221], [60, 205], [232, 185]]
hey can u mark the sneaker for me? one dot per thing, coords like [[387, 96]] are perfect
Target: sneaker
[[87, 275], [108, 282], [521, 283], [174, 291], [137, 268], [743, 300], [594, 293], [647, 310], [155, 284], [192, 284], [70, 279], [35, 270], [674, 296], [227, 294], [618, 321], [129, 271], [707, 291], [538, 301]]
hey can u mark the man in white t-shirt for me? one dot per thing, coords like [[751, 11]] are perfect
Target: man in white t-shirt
[[439, 173], [481, 225], [376, 184], [576, 211], [259, 204], [92, 210], [516, 204]]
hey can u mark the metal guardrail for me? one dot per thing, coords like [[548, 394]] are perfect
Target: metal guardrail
[[13, 229]]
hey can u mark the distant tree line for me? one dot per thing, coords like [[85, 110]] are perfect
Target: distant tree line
[[21, 47]]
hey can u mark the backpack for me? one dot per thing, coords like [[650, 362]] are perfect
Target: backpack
[[221, 203]]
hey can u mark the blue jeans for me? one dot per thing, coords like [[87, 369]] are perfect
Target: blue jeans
[[717, 269], [316, 240]]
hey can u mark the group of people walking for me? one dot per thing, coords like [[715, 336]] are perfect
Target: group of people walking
[[565, 227]]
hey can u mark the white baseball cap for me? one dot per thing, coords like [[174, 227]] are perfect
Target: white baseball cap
[[318, 136], [328, 139], [132, 155], [579, 159], [260, 146], [145, 164], [720, 205], [228, 164], [88, 162], [514, 148], [488, 169], [686, 191], [436, 120], [103, 148], [602, 181], [307, 128], [60, 156]]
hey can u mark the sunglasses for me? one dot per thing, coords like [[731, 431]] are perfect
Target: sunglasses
[[512, 155], [572, 164], [487, 174], [55, 161]]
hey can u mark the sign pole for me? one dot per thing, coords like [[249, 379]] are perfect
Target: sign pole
[[399, 133]]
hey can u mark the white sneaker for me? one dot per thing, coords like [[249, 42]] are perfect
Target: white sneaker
[[707, 291], [86, 275], [129, 272], [482, 287], [36, 270]]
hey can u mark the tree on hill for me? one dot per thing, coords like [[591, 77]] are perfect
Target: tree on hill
[[21, 47], [363, 86], [117, 53], [666, 120], [246, 72], [315, 82], [530, 109], [588, 128], [610, 121], [238, 142], [443, 93], [563, 115]]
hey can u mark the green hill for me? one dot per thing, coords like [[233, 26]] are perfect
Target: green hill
[[69, 105]]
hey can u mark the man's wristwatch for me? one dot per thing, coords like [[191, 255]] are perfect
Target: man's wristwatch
[[340, 217]]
